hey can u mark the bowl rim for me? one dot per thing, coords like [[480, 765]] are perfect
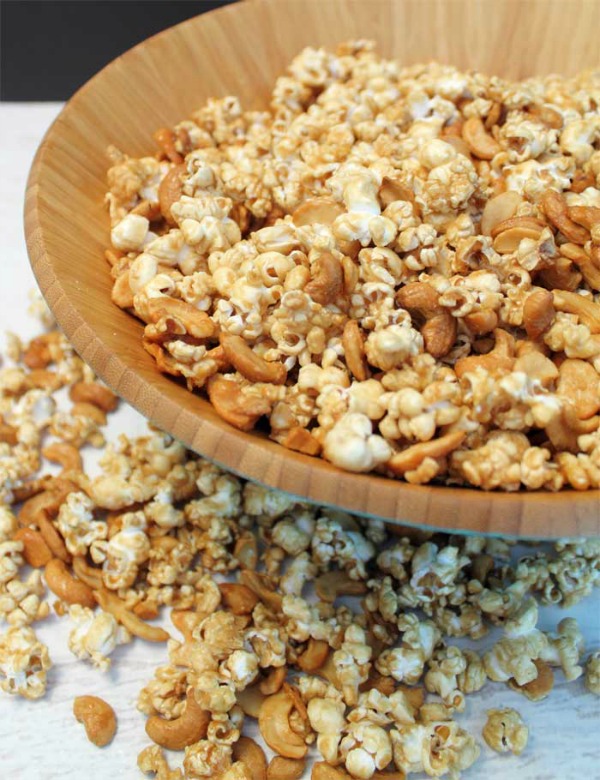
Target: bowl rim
[[531, 514]]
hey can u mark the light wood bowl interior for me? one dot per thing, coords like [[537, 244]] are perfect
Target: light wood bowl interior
[[240, 50]]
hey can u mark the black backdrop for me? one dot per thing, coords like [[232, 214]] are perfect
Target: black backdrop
[[49, 48]]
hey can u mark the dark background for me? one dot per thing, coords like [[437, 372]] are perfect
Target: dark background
[[49, 48]]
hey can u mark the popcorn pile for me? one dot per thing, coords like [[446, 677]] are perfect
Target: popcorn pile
[[337, 635], [399, 268]]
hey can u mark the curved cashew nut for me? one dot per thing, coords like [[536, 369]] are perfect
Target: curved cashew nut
[[238, 598], [251, 700], [332, 584], [165, 140], [498, 209], [274, 725], [66, 455], [586, 216], [354, 350], [501, 358], [35, 550], [262, 585], [281, 768], [573, 303], [110, 602], [53, 539], [248, 363], [170, 191], [317, 211], [62, 583], [555, 209], [98, 718], [86, 573], [180, 732], [327, 282], [252, 755], [315, 655], [8, 434], [440, 328], [94, 393], [273, 681], [510, 223], [480, 142], [412, 457]]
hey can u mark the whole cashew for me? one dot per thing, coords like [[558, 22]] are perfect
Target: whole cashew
[[323, 771], [315, 655], [238, 598], [35, 550], [281, 768], [327, 282], [440, 327], [180, 732], [501, 358], [94, 393], [332, 584], [252, 755], [273, 681], [66, 455], [86, 573], [274, 725], [62, 583], [98, 718], [412, 457], [110, 602], [262, 585], [248, 363]]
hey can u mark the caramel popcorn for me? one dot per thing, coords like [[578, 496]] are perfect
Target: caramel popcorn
[[24, 663], [95, 635], [505, 731], [592, 673], [376, 261]]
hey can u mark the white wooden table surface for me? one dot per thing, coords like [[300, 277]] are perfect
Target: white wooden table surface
[[41, 740]]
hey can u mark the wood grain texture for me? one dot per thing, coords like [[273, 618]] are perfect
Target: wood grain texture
[[240, 50]]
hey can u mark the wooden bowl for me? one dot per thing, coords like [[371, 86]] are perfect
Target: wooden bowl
[[240, 49]]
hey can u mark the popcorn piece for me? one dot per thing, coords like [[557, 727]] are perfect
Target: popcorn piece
[[436, 748], [505, 731], [95, 635], [351, 444], [24, 663]]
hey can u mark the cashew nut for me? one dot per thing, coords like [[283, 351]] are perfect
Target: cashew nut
[[315, 655], [178, 733], [440, 327], [300, 440], [110, 602], [93, 393], [251, 700], [573, 303], [241, 411], [586, 216], [412, 457], [327, 281], [62, 583], [273, 681], [526, 223], [8, 434], [354, 350], [332, 584], [481, 144], [501, 357], [170, 191], [589, 264], [555, 209], [86, 573], [274, 725], [35, 550], [498, 209], [98, 718], [66, 455], [238, 599], [248, 363], [281, 768], [53, 539], [321, 211], [538, 313], [252, 755], [323, 771], [263, 586]]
